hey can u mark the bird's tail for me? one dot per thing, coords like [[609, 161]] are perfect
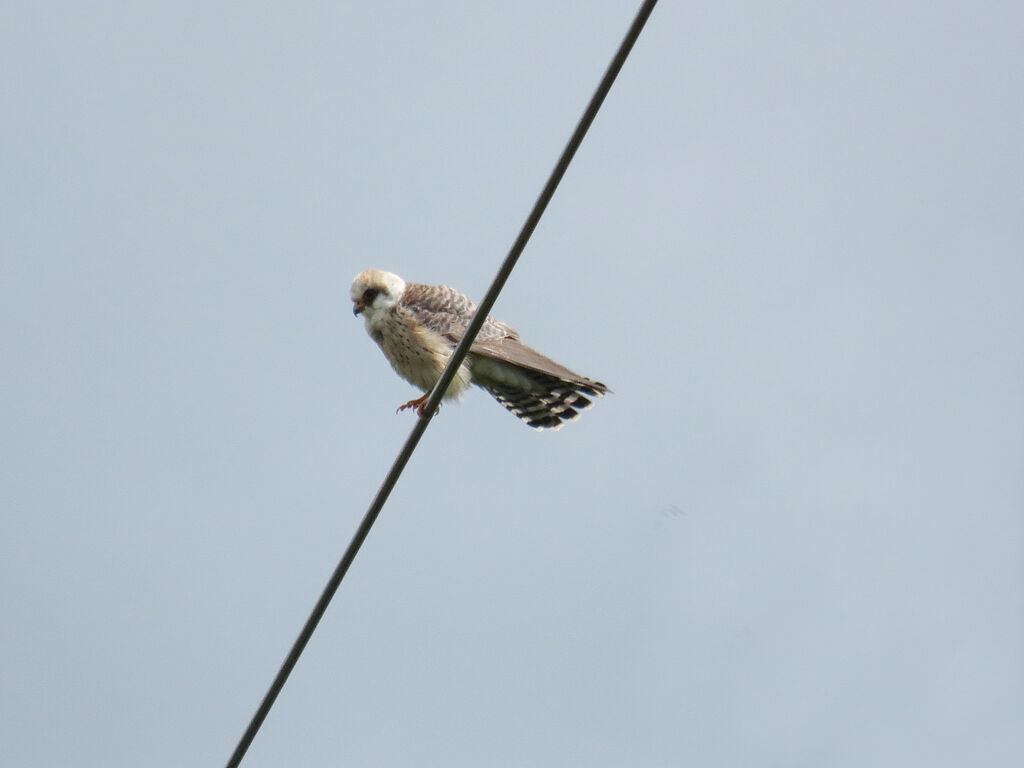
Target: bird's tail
[[550, 404]]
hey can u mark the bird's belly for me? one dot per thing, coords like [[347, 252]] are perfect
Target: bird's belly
[[419, 358]]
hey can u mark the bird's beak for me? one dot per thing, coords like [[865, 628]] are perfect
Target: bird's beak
[[357, 307]]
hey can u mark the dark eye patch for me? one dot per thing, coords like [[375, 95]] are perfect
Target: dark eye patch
[[369, 295]]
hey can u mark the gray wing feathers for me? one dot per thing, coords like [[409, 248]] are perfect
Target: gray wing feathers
[[518, 354], [439, 308], [448, 312]]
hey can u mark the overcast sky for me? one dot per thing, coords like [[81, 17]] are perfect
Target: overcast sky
[[793, 246]]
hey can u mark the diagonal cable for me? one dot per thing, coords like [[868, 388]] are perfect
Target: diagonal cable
[[442, 383]]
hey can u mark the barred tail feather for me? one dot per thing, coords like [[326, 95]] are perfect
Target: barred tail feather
[[548, 406]]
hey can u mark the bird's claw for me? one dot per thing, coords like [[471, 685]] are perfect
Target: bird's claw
[[419, 403]]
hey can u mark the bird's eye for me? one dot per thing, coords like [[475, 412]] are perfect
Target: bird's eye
[[369, 295]]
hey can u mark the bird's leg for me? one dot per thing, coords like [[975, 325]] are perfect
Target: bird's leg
[[417, 403]]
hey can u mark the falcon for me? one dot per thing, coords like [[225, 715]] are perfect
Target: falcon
[[418, 326]]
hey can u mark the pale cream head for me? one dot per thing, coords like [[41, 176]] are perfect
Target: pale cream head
[[375, 291]]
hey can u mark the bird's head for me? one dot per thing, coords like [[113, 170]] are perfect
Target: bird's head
[[375, 291]]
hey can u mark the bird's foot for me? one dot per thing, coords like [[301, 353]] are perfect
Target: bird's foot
[[420, 403]]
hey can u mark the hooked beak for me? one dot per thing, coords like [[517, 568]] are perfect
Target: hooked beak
[[357, 307]]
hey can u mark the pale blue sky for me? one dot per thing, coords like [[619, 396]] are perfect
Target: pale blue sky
[[793, 244]]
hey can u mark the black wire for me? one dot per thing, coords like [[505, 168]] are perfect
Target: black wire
[[442, 383]]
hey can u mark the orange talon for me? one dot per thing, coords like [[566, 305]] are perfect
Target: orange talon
[[418, 404]]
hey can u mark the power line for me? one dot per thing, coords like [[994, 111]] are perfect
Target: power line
[[442, 383]]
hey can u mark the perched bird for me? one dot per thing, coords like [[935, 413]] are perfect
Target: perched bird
[[418, 326]]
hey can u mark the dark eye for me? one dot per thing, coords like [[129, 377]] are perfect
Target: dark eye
[[369, 295]]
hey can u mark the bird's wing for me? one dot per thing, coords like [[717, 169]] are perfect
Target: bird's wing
[[447, 312], [497, 354]]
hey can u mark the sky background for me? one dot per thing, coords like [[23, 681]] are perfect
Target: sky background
[[792, 244]]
